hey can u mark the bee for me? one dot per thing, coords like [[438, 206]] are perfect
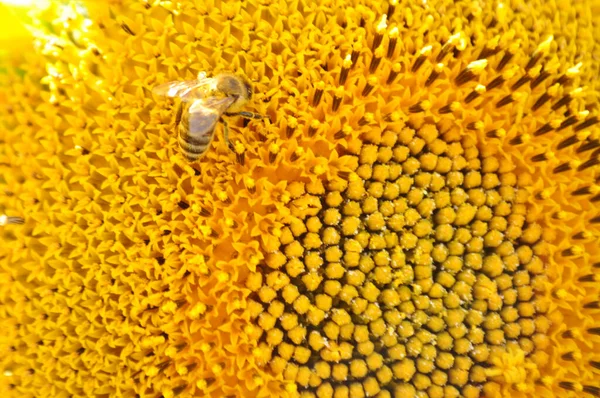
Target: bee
[[203, 103]]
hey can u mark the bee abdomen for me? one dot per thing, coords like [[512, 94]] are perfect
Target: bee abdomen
[[193, 148], [185, 136]]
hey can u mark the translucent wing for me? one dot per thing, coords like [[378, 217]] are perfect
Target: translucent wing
[[174, 89], [188, 91], [204, 115]]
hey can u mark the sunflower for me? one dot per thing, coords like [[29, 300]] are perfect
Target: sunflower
[[417, 216]]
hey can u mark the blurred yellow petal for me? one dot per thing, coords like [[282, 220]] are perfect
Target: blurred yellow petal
[[14, 36]]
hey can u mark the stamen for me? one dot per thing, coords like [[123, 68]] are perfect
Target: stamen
[[567, 385], [509, 99], [548, 69], [498, 133], [569, 74], [520, 139], [471, 72], [394, 72], [371, 82], [344, 132], [524, 79], [491, 48], [541, 101], [564, 167], [179, 389], [537, 81], [548, 127], [453, 41], [588, 146], [592, 390], [423, 54], [239, 149], [356, 49], [6, 220], [368, 118], [391, 8], [567, 122], [394, 33], [379, 30], [127, 29], [420, 107], [318, 93], [292, 123], [479, 89], [567, 142], [589, 163], [566, 99], [584, 235], [273, 151], [337, 98], [543, 157], [508, 55], [477, 126], [541, 50], [438, 68], [223, 197], [505, 101], [314, 126], [571, 356], [452, 107], [346, 66], [377, 55], [588, 123], [297, 154]]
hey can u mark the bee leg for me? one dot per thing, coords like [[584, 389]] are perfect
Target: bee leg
[[226, 133], [179, 114], [247, 115]]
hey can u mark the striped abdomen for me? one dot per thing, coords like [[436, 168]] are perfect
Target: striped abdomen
[[195, 143]]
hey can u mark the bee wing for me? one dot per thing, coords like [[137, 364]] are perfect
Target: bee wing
[[174, 89], [204, 115], [186, 90]]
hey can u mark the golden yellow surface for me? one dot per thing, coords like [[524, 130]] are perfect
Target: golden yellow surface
[[418, 217]]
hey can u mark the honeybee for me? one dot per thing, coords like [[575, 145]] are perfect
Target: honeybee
[[203, 103]]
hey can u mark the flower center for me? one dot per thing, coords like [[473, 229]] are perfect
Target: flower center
[[417, 272]]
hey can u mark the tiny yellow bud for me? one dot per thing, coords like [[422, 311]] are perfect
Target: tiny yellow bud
[[544, 46], [205, 347], [292, 122], [382, 24], [477, 66], [274, 148], [574, 70], [426, 51], [239, 148], [222, 276], [347, 64]]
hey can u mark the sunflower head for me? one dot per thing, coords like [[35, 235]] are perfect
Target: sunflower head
[[416, 216]]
